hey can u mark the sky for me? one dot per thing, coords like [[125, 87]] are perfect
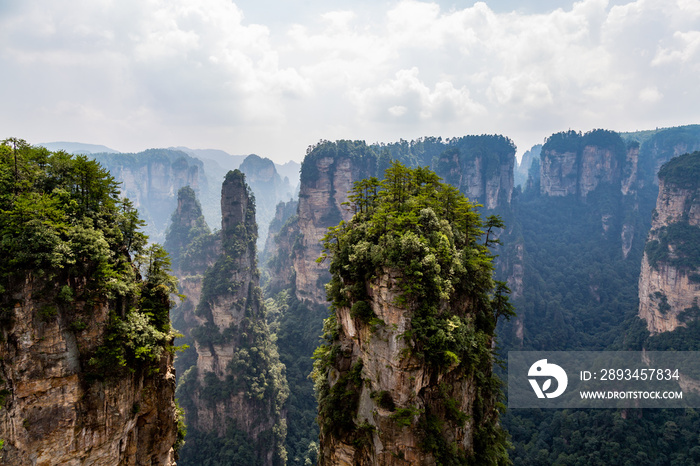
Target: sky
[[274, 77]]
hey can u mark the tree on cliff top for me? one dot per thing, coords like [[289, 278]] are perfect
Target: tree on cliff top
[[63, 224], [431, 237]]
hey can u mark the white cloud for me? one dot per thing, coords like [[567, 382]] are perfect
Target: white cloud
[[147, 71], [686, 50], [406, 97], [650, 95]]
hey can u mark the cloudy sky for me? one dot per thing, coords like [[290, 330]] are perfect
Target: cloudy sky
[[272, 77]]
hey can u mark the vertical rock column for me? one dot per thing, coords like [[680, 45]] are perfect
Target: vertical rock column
[[669, 283], [237, 385]]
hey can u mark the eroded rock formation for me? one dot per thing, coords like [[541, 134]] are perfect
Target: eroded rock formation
[[236, 384], [56, 413], [669, 283]]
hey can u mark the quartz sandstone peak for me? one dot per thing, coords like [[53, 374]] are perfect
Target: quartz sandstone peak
[[669, 283], [405, 375], [53, 415], [236, 383]]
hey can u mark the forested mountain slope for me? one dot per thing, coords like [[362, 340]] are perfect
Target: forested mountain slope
[[580, 233]]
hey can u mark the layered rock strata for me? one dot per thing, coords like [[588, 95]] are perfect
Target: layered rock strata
[[669, 283], [237, 383], [55, 408]]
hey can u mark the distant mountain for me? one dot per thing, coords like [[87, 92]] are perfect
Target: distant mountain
[[78, 148], [522, 169], [290, 170], [269, 190], [152, 178], [223, 159]]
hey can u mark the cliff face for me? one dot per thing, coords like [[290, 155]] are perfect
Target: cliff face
[[269, 189], [669, 283], [193, 249], [405, 376], [327, 174], [53, 415], [276, 257], [395, 388], [151, 179], [559, 174], [320, 206], [479, 166], [575, 164], [86, 374], [237, 384], [662, 146]]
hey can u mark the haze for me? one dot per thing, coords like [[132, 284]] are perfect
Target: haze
[[274, 77]]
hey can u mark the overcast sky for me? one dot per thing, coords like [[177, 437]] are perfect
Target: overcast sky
[[272, 77]]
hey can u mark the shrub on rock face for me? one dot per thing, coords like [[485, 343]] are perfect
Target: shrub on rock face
[[429, 237]]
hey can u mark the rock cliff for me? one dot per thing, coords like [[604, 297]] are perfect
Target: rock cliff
[[276, 257], [193, 248], [669, 283], [151, 179], [56, 412], [327, 175], [406, 374], [522, 170], [86, 369], [234, 392], [269, 190], [576, 164], [479, 166], [662, 145]]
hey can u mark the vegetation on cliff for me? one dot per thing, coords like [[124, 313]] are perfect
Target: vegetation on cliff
[[445, 156], [254, 379], [75, 256], [63, 223], [575, 141], [682, 171], [433, 238], [188, 235], [149, 179], [678, 244]]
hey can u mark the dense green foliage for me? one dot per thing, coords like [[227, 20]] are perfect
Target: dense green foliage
[[188, 235], [412, 223], [607, 437], [63, 225], [580, 293], [254, 375], [682, 171], [430, 236], [292, 321], [577, 288], [233, 449], [681, 238]]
